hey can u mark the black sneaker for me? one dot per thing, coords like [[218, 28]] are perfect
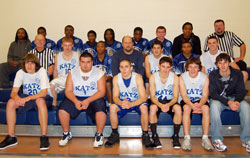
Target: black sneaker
[[44, 143], [176, 142], [112, 139], [8, 142], [146, 141], [156, 141]]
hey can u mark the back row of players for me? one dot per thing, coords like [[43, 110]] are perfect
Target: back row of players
[[85, 89]]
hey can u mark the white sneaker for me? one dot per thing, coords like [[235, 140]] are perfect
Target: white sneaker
[[65, 139], [98, 140], [247, 146], [186, 145], [206, 144], [219, 146]]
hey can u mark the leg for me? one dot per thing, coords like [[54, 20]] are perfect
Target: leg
[[43, 115], [54, 94], [100, 121], [216, 108], [177, 124], [64, 118], [109, 92], [113, 109], [177, 114], [152, 114], [6, 70], [244, 112], [144, 117], [205, 119], [11, 116], [186, 119]]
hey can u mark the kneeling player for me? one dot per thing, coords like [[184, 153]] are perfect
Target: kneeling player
[[128, 94], [35, 83], [164, 91], [85, 89], [194, 92]]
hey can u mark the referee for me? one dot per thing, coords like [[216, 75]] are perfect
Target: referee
[[45, 55], [227, 40]]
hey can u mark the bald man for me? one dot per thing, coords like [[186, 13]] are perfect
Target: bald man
[[136, 58], [45, 55]]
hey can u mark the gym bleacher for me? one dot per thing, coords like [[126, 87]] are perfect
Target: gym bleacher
[[28, 123]]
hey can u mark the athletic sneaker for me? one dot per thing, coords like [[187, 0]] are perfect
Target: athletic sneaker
[[206, 144], [44, 143], [186, 145], [176, 142], [146, 141], [112, 139], [156, 141], [219, 146], [247, 146], [98, 140], [8, 142], [65, 139]]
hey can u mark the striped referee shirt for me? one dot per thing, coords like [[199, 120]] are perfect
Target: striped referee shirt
[[46, 57], [226, 42]]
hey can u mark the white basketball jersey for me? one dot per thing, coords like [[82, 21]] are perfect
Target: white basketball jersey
[[154, 63], [194, 90], [85, 87], [63, 66], [164, 91], [131, 92]]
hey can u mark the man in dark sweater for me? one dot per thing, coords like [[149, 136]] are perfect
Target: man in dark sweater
[[17, 50], [227, 91], [136, 58], [187, 36]]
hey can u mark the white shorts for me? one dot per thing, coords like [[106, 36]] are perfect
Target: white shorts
[[59, 84]]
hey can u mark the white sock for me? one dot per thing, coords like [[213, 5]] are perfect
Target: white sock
[[187, 136], [204, 136]]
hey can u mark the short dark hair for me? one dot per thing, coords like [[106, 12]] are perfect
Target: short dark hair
[[222, 56], [126, 61], [166, 60], [86, 55], [193, 60], [161, 27], [219, 20], [112, 32], [91, 31], [101, 42], [30, 58], [26, 34], [41, 28], [69, 26], [185, 42], [157, 42], [138, 29], [187, 23], [212, 37]]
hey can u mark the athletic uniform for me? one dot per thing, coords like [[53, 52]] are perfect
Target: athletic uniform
[[111, 49], [86, 48], [154, 62], [84, 86], [77, 45], [49, 44], [32, 84], [63, 68], [141, 46], [128, 90], [105, 65], [167, 47]]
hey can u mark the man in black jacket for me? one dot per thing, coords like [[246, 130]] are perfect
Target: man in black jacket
[[227, 91]]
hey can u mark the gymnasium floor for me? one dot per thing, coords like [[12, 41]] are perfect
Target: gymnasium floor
[[128, 147]]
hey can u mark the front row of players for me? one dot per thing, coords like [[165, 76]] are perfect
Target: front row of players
[[85, 90]]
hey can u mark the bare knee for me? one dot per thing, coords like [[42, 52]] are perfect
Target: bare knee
[[177, 109], [113, 108], [187, 109], [144, 109], [40, 103], [12, 104], [153, 109]]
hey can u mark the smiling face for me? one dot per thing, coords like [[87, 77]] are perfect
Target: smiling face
[[165, 68], [91, 37], [219, 28], [212, 44], [40, 41], [193, 70], [30, 67]]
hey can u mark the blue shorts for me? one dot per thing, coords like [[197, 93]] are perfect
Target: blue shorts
[[95, 106], [123, 112], [32, 104]]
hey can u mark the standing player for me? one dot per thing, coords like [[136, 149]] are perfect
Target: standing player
[[112, 45], [90, 45], [194, 93], [35, 84], [128, 94], [164, 91], [85, 89], [64, 62], [140, 43]]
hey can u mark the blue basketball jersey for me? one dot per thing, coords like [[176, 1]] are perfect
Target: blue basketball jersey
[[86, 48], [111, 49], [167, 47], [141, 46], [77, 45], [179, 63], [105, 65]]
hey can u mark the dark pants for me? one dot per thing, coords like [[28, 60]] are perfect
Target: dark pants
[[5, 71]]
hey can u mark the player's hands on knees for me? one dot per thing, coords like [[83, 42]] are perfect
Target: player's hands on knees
[[197, 108], [85, 104], [234, 105], [125, 104], [78, 105], [23, 101], [165, 108]]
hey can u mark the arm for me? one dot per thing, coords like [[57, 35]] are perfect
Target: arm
[[234, 65], [116, 91], [152, 91], [183, 92], [55, 67], [242, 51], [175, 91], [205, 92], [147, 67]]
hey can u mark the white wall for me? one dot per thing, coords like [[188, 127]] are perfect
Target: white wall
[[122, 16]]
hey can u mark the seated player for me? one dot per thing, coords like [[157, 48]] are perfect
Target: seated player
[[35, 84], [104, 62], [180, 59], [64, 62], [227, 91], [140, 43], [164, 92], [112, 46], [90, 45], [194, 93], [128, 94], [85, 89]]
